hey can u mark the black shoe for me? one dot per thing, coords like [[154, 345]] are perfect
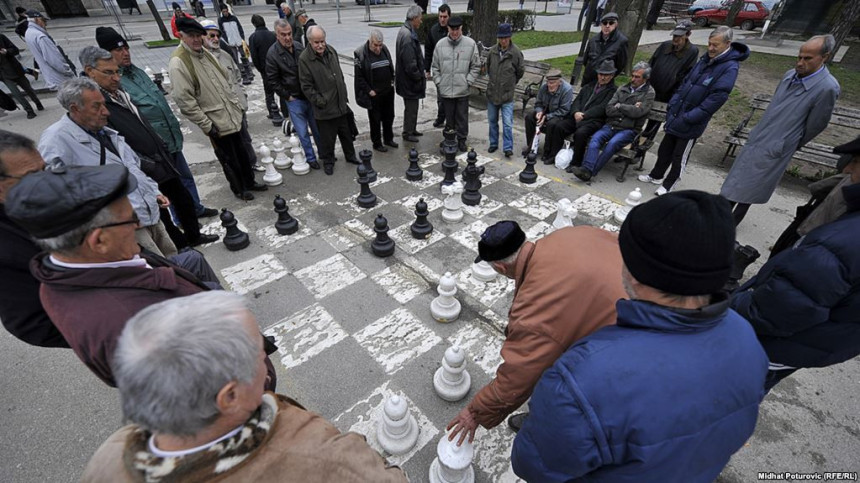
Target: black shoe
[[259, 187], [525, 151], [314, 165], [203, 239], [391, 144], [245, 195], [509, 153], [355, 161], [438, 123], [582, 173], [492, 149], [416, 133], [328, 169], [461, 146], [516, 421], [547, 159], [207, 213], [31, 114], [380, 148], [40, 107], [410, 138]]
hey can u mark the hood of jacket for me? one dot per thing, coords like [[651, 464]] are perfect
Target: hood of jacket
[[737, 51]]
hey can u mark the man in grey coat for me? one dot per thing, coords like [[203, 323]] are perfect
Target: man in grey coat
[[410, 82], [456, 65], [55, 65], [504, 69], [799, 110]]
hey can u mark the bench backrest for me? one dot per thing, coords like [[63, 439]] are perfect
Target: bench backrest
[[842, 116]]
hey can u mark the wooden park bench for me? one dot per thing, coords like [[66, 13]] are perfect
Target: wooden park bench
[[527, 87], [815, 153]]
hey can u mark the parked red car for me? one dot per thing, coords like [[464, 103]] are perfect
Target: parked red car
[[752, 15]]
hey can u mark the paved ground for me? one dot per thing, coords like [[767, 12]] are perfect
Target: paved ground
[[353, 328]]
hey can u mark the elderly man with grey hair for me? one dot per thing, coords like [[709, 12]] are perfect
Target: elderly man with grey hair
[[82, 138], [626, 113], [411, 82], [215, 421], [374, 89]]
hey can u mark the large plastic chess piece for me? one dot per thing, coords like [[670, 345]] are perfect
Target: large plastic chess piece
[[452, 381], [382, 245], [235, 239], [446, 308], [453, 464], [272, 176], [414, 172], [483, 271], [397, 433], [282, 161], [421, 228], [528, 174], [286, 224], [565, 214], [633, 199], [472, 180], [452, 207], [449, 165], [300, 163], [366, 198], [365, 155]]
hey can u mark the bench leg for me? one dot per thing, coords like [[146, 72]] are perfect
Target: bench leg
[[730, 151], [620, 177]]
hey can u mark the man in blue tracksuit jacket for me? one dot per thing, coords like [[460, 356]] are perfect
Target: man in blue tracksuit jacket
[[670, 392]]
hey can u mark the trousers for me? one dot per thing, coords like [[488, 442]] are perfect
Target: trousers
[[457, 115], [331, 130], [231, 153], [381, 115], [673, 152]]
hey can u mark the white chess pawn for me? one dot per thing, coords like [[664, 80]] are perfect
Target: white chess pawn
[[445, 308], [483, 271], [566, 213], [282, 161], [149, 73], [452, 381], [300, 163], [452, 210], [397, 433], [272, 176], [633, 199], [166, 76], [453, 464]]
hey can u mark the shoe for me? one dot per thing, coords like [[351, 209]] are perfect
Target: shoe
[[509, 153], [547, 160], [328, 169], [438, 123], [646, 178], [31, 115], [492, 149], [207, 213], [259, 187], [245, 195], [380, 148], [410, 138], [416, 133], [258, 167], [525, 151], [516, 421], [40, 107], [391, 144], [461, 146], [582, 173], [661, 191], [203, 239], [314, 165], [355, 161]]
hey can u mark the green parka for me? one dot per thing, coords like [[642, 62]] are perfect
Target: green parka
[[504, 70], [152, 105]]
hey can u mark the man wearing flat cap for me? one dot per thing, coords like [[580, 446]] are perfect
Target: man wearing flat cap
[[673, 389], [55, 65], [567, 284], [609, 44], [81, 216], [803, 303], [552, 105], [455, 67], [505, 67]]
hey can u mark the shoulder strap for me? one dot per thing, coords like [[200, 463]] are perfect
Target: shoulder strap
[[185, 57]]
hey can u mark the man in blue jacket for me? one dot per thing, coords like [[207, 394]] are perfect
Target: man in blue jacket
[[803, 303], [673, 390], [703, 92]]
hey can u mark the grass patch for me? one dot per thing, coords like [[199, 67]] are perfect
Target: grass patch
[[565, 64], [547, 14], [386, 24], [531, 39], [154, 44]]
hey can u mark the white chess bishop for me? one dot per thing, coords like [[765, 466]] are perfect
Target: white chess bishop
[[633, 199], [452, 208], [452, 381], [272, 176], [565, 215], [397, 433], [453, 464], [446, 308]]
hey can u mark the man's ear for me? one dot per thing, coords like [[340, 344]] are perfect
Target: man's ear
[[227, 397], [95, 242]]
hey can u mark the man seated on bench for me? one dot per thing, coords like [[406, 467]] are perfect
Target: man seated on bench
[[551, 106], [626, 112], [587, 115]]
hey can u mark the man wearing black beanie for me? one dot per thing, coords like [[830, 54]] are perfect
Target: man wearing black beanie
[[677, 382]]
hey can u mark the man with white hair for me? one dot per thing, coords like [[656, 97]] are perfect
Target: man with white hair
[[216, 421]]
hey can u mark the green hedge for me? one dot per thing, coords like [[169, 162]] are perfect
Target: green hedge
[[519, 20]]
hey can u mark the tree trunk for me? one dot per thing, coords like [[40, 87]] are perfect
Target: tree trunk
[[632, 17], [850, 15], [484, 22], [165, 35], [734, 10]]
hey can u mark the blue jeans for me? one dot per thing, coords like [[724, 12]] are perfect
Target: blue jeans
[[507, 125], [302, 116], [614, 140], [187, 179]]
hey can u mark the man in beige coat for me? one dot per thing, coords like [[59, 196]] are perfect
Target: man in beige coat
[[567, 284], [216, 422], [204, 94]]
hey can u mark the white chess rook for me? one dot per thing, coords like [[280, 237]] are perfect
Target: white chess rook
[[446, 308], [483, 271], [633, 199], [282, 161], [300, 164], [397, 433], [452, 208], [566, 214], [453, 464], [272, 176], [452, 381]]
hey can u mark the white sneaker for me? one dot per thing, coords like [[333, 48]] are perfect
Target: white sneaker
[[258, 167], [645, 178], [661, 191]]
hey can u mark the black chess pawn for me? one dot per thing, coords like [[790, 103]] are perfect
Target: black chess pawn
[[365, 155], [235, 239], [366, 198], [472, 180], [421, 228], [382, 245], [414, 172], [528, 175], [286, 224]]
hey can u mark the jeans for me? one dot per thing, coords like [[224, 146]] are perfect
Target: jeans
[[302, 116], [187, 179], [507, 125], [613, 140]]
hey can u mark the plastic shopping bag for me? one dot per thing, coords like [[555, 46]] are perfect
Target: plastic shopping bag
[[564, 156]]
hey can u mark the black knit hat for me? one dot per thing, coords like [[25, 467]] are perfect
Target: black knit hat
[[680, 243], [109, 39], [499, 241]]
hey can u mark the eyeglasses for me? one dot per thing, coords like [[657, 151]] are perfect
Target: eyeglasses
[[608, 22], [110, 73], [213, 35]]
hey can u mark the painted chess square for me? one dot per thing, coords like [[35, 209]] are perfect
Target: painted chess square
[[254, 273], [402, 236], [305, 334], [330, 275], [514, 179], [396, 339], [595, 206], [400, 282], [485, 292], [535, 205]]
